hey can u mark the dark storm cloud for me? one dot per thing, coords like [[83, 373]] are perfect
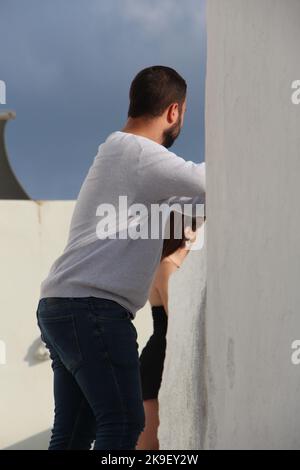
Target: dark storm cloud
[[68, 65]]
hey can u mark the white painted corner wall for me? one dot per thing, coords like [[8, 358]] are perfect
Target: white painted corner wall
[[33, 234], [228, 380]]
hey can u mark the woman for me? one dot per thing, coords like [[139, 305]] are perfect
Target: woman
[[153, 355]]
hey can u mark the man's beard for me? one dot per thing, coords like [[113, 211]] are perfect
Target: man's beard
[[171, 134]]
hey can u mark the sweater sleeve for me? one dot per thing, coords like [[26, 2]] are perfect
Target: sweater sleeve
[[193, 206], [164, 175]]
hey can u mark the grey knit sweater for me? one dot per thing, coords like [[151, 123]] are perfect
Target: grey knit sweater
[[121, 268]]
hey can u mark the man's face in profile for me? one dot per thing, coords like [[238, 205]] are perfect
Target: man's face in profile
[[171, 134]]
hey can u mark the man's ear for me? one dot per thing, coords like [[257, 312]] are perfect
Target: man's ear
[[172, 113]]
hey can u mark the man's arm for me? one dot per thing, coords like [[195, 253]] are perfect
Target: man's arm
[[164, 175], [195, 204]]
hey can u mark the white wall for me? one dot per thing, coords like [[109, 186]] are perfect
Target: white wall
[[228, 379], [183, 391], [253, 231], [32, 235]]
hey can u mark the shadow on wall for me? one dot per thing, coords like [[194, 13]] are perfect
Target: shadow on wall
[[37, 353], [38, 441]]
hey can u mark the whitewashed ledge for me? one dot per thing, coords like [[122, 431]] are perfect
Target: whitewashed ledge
[[182, 395]]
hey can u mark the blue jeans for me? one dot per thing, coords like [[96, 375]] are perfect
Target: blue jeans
[[97, 385]]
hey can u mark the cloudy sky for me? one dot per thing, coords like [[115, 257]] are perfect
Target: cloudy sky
[[68, 65]]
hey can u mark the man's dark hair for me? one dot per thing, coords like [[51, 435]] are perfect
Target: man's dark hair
[[153, 89]]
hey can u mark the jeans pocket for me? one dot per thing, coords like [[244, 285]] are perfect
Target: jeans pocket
[[109, 309], [62, 335]]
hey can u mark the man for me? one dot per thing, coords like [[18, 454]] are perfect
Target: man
[[94, 289]]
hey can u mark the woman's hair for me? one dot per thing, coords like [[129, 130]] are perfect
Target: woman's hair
[[153, 89], [172, 244]]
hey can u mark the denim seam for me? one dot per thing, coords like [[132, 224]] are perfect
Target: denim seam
[[124, 410], [75, 369], [120, 395], [76, 422], [48, 318]]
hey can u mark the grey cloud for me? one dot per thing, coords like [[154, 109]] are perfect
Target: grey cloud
[[68, 65]]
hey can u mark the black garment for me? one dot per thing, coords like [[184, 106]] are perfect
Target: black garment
[[153, 355]]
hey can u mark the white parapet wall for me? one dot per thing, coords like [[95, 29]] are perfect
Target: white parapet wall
[[253, 228], [182, 397], [32, 235], [229, 381]]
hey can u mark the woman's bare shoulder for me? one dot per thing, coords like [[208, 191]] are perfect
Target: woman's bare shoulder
[[166, 268]]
